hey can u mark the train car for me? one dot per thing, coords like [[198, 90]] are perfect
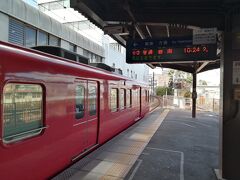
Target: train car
[[54, 111]]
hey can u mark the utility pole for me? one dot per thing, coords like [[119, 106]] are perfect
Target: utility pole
[[194, 94]]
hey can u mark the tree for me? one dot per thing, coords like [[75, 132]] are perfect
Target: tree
[[187, 94], [170, 74], [160, 91], [202, 82]]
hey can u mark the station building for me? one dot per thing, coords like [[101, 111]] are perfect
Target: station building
[[26, 25]]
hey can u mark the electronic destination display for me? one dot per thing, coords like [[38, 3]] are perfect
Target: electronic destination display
[[169, 50]]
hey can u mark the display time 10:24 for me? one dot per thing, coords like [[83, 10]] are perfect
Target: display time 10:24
[[195, 49]]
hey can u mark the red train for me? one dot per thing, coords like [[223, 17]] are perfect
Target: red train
[[53, 111]]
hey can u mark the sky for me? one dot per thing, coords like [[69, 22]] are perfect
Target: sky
[[212, 77], [32, 2]]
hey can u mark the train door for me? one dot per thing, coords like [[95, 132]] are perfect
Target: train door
[[140, 101], [80, 124], [92, 113]]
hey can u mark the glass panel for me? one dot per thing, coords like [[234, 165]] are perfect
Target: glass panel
[[72, 47], [128, 98], [79, 102], [22, 110], [92, 100], [122, 98], [146, 96], [113, 100], [137, 97], [30, 37], [42, 38], [54, 41]]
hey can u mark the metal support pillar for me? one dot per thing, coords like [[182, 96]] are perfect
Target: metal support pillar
[[194, 94], [230, 107]]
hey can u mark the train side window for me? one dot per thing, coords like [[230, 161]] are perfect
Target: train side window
[[92, 98], [80, 93], [122, 98], [22, 111], [146, 95], [129, 98], [113, 100], [137, 97]]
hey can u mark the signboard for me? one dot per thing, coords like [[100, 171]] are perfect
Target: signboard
[[169, 50], [205, 36], [236, 72]]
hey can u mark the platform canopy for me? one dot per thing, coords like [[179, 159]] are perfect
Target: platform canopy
[[141, 19]]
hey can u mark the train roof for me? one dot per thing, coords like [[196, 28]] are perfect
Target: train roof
[[12, 48]]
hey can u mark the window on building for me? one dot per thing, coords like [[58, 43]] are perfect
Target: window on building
[[92, 100], [129, 98], [22, 111], [122, 102], [98, 59], [16, 32], [72, 47], [116, 46], [80, 93], [42, 39], [113, 100], [86, 53], [54, 41], [30, 36]]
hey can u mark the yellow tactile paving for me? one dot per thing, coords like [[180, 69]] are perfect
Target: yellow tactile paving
[[83, 175], [131, 143], [117, 157], [126, 149]]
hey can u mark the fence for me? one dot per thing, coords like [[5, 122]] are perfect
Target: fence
[[208, 104], [203, 104]]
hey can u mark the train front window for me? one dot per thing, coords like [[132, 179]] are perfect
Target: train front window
[[113, 100], [79, 113], [22, 111], [92, 99]]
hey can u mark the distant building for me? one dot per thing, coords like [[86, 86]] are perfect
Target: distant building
[[208, 92]]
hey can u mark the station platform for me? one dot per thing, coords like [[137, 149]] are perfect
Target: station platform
[[166, 145]]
